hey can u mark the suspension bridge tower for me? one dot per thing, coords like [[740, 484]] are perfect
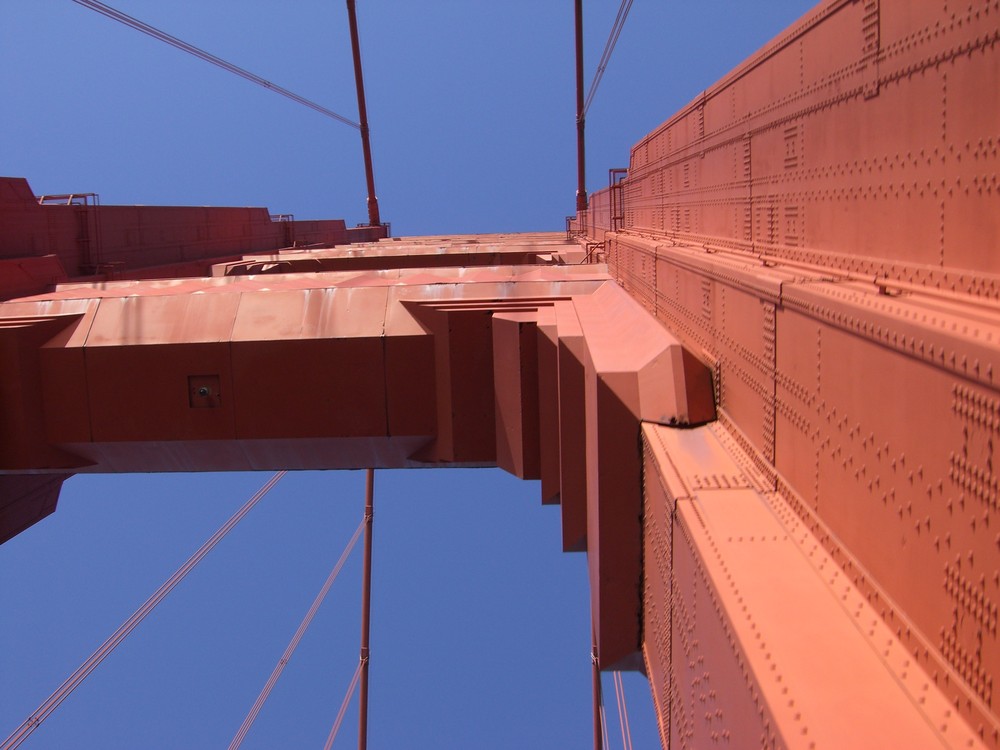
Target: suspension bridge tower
[[758, 374]]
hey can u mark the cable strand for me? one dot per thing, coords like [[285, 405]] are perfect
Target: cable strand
[[293, 644], [83, 671], [343, 708], [145, 28], [609, 48], [622, 711]]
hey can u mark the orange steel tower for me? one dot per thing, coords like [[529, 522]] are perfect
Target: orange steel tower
[[759, 375]]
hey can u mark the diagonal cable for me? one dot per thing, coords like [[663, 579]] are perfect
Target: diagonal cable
[[622, 711], [343, 708], [285, 657], [609, 47], [145, 28], [604, 728], [32, 722]]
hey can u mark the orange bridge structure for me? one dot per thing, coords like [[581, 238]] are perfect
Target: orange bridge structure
[[759, 374]]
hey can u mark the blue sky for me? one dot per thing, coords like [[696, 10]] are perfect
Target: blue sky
[[480, 631]]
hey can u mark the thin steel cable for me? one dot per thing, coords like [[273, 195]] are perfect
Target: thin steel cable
[[622, 711], [618, 704], [616, 27], [145, 28], [293, 644], [42, 712], [343, 708], [628, 728], [604, 718], [609, 47]]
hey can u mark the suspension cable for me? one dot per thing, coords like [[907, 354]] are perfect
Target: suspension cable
[[366, 606], [343, 708], [622, 712], [42, 712], [609, 47], [595, 675], [604, 728], [145, 28], [293, 644]]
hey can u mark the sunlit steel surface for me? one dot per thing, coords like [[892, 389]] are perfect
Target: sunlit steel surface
[[821, 227], [430, 359], [44, 243]]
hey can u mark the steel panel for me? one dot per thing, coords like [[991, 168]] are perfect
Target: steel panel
[[771, 644]]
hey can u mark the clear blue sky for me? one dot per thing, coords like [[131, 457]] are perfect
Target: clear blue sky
[[480, 630]]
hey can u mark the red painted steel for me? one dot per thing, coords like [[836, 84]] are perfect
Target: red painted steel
[[740, 652], [394, 367], [548, 404], [366, 608], [385, 257], [572, 428], [43, 244], [581, 165], [374, 219], [812, 242], [516, 385], [821, 227], [25, 499], [597, 698]]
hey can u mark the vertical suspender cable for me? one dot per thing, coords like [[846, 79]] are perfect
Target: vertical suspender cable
[[618, 704], [285, 657], [628, 730], [53, 701], [581, 172], [366, 604], [366, 147], [596, 670], [622, 711]]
